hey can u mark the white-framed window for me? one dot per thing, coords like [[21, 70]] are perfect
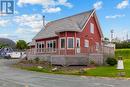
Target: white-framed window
[[51, 44], [40, 45], [62, 42], [77, 42], [70, 42], [43, 45], [97, 45], [92, 28], [86, 43]]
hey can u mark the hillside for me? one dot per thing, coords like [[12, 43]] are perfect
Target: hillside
[[125, 53]]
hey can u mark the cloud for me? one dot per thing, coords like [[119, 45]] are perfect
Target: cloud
[[98, 5], [33, 22], [47, 5], [3, 22], [122, 4], [52, 10], [5, 35], [65, 3], [115, 16]]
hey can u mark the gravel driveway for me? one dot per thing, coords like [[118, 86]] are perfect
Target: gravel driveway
[[11, 77]]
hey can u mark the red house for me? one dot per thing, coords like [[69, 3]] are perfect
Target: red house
[[74, 35]]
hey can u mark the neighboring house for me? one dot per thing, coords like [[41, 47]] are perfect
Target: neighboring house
[[75, 35]]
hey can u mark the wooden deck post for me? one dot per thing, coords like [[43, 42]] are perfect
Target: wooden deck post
[[66, 43], [75, 43]]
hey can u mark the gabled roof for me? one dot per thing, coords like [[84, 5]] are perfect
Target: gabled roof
[[71, 23]]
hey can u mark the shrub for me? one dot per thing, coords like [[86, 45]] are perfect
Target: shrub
[[92, 62], [37, 59], [111, 61]]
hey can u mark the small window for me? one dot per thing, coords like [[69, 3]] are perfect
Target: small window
[[78, 42], [37, 45], [92, 28], [97, 45], [62, 43], [86, 43], [43, 45], [70, 43], [54, 44], [40, 45]]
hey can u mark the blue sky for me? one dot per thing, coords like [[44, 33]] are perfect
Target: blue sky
[[27, 20]]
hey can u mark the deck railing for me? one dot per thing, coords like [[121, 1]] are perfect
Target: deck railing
[[74, 51]]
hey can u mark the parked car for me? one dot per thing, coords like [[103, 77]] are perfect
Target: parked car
[[17, 54]]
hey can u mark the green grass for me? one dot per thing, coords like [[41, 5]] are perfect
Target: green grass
[[110, 71], [125, 53]]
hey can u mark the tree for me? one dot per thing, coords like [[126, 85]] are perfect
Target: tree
[[122, 45], [106, 39], [21, 45], [3, 45]]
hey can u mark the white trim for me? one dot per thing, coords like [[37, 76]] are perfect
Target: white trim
[[68, 41], [60, 42], [99, 27], [93, 14], [88, 19]]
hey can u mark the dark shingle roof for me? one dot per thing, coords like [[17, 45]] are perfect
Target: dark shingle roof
[[71, 23]]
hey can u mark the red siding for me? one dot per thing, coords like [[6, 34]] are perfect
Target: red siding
[[45, 39], [86, 34], [69, 34]]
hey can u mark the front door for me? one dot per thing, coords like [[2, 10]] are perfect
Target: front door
[[78, 45]]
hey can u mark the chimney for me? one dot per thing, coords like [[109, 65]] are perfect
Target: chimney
[[43, 21]]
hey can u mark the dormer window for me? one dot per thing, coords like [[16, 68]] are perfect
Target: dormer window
[[92, 28]]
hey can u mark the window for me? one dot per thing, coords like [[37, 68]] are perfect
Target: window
[[40, 45], [70, 42], [51, 44], [62, 43], [78, 42], [97, 45], [92, 28], [37, 45], [43, 45], [86, 43], [54, 44]]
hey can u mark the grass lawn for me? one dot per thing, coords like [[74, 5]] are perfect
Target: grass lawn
[[125, 53], [110, 71]]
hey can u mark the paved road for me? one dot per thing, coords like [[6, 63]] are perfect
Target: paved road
[[10, 77]]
